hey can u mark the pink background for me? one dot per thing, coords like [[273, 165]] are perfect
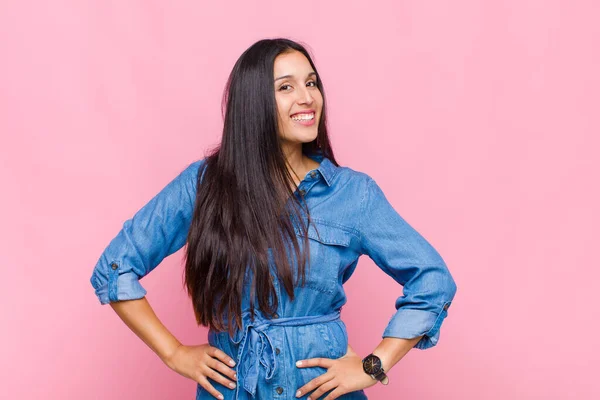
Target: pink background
[[479, 119]]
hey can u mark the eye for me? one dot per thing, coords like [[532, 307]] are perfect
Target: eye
[[281, 88]]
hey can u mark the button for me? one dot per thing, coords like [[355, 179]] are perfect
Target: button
[[275, 315], [114, 265], [302, 192], [277, 351], [313, 174], [446, 306], [279, 390]]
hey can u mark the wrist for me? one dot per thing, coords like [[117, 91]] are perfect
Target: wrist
[[167, 357], [372, 366], [385, 365]]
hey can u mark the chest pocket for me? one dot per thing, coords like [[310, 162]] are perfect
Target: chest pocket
[[329, 243]]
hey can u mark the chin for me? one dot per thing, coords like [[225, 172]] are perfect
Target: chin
[[295, 138], [307, 140]]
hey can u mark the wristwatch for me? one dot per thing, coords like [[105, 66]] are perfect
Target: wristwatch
[[372, 366]]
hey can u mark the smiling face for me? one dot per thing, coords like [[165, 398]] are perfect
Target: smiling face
[[299, 100]]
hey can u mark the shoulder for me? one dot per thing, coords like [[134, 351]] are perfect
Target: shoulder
[[192, 169], [358, 185], [186, 180], [349, 176], [194, 166]]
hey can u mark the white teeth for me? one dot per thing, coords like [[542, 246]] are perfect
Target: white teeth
[[303, 117]]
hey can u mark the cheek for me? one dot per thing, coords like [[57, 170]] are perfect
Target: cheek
[[282, 108], [319, 101]]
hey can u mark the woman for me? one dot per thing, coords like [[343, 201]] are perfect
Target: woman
[[270, 217]]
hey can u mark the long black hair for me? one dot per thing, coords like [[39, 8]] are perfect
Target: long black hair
[[245, 207]]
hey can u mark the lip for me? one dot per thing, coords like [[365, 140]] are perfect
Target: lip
[[304, 112]]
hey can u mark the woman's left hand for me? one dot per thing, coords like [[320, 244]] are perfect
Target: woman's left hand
[[343, 374]]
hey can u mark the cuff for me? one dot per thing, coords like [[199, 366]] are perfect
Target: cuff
[[409, 323], [119, 287]]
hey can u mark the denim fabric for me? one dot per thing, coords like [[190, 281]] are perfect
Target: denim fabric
[[351, 216]]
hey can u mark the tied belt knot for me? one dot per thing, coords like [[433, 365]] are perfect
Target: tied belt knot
[[256, 348]]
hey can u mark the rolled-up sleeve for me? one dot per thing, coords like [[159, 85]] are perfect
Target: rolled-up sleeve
[[404, 254], [155, 231]]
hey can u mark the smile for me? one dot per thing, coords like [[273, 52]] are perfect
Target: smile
[[304, 117]]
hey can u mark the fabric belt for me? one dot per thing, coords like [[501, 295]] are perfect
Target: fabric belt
[[256, 348]]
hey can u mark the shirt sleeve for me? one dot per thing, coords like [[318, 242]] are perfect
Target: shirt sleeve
[[155, 231], [402, 253]]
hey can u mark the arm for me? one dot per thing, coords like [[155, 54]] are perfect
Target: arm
[[141, 319], [391, 350], [156, 231], [406, 256], [402, 253], [195, 362]]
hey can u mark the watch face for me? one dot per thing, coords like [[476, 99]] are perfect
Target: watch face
[[372, 364]]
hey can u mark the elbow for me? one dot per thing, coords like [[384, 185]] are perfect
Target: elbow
[[116, 287], [446, 290], [450, 288], [100, 286], [446, 284]]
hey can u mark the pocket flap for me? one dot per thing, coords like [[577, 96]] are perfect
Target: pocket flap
[[328, 233]]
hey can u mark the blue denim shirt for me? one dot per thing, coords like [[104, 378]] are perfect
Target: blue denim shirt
[[352, 217]]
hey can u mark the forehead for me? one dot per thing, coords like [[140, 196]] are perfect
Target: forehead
[[293, 63]]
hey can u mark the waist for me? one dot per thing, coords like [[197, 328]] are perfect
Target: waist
[[261, 322], [256, 349]]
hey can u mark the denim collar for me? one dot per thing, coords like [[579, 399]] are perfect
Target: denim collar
[[327, 169]]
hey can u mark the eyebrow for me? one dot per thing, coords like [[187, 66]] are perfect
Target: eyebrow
[[291, 76]]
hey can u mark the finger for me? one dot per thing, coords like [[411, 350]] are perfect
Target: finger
[[335, 394], [217, 377], [324, 388], [221, 355], [315, 362], [222, 368], [313, 384], [209, 388]]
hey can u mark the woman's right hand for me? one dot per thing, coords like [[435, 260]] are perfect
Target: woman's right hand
[[202, 362]]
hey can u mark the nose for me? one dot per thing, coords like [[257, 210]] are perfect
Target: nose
[[305, 96]]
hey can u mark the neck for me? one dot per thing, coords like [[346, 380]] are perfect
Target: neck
[[298, 163]]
